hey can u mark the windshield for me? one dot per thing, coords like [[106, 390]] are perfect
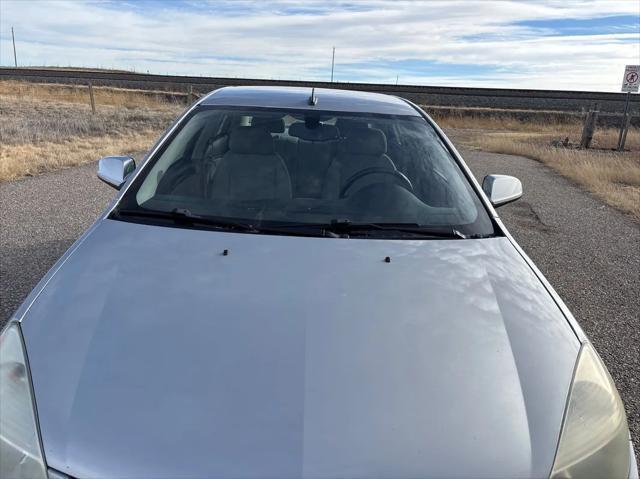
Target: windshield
[[271, 168]]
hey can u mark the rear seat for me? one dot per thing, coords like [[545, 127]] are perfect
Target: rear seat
[[311, 158], [321, 157], [275, 125], [348, 127]]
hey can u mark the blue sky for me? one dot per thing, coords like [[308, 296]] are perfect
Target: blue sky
[[584, 26], [562, 44]]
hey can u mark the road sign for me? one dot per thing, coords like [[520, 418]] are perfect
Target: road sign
[[631, 78]]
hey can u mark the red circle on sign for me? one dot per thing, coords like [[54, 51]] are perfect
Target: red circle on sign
[[632, 77]]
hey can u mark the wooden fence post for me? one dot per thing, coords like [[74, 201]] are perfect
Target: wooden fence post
[[93, 101], [624, 133], [626, 118], [589, 127]]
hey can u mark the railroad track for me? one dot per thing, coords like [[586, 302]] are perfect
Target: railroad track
[[558, 100]]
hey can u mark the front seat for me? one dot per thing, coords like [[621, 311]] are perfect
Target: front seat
[[364, 148], [251, 169]]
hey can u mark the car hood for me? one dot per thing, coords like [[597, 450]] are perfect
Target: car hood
[[155, 355]]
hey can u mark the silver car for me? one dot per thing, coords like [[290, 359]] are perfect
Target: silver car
[[303, 283]]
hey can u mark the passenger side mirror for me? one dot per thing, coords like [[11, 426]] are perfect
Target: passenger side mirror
[[114, 170], [501, 189]]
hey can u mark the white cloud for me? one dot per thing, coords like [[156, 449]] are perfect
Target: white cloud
[[287, 39]]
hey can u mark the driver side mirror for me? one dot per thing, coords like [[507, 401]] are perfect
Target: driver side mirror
[[502, 189], [114, 170]]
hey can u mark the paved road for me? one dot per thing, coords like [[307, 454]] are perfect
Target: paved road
[[589, 252]]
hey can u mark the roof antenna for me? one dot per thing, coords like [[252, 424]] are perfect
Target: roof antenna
[[313, 99]]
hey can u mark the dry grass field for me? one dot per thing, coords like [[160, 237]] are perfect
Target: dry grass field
[[46, 126], [612, 176]]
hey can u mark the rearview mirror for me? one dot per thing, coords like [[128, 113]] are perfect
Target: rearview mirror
[[502, 189], [114, 170]]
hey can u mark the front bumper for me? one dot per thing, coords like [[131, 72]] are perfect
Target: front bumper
[[633, 467]]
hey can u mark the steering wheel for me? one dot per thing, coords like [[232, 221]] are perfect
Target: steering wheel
[[375, 170]]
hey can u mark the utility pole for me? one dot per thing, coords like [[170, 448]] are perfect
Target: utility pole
[[333, 58], [13, 38], [397, 79]]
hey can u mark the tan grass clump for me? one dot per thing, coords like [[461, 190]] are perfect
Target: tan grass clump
[[551, 127], [31, 121], [612, 176], [30, 159], [44, 127], [469, 121], [103, 96]]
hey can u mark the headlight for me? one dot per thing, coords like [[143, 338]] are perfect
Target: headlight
[[594, 442], [20, 453]]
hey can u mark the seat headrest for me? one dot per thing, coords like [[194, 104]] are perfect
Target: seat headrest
[[346, 126], [251, 140], [366, 141], [270, 123], [322, 132]]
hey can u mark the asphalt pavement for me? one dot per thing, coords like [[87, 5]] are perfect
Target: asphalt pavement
[[589, 252]]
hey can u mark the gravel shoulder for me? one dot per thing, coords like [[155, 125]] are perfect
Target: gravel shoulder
[[40, 217], [589, 252]]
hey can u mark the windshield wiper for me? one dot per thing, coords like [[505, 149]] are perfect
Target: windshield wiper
[[346, 227], [336, 228], [183, 216]]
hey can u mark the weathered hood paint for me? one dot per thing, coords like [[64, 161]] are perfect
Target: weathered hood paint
[[153, 355]]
